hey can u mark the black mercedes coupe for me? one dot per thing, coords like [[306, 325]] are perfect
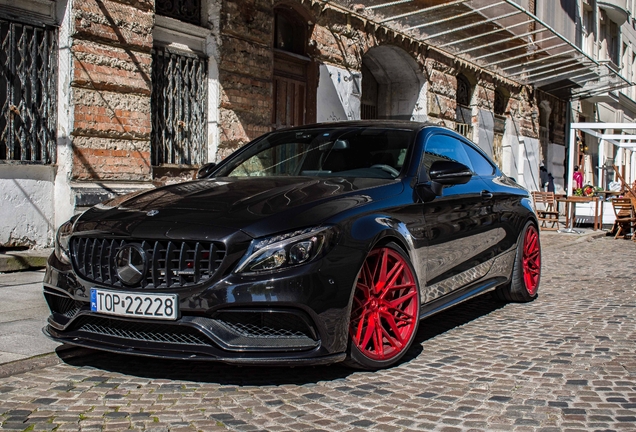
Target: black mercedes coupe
[[311, 245]]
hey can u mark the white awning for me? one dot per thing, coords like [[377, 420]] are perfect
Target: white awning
[[622, 140], [497, 35]]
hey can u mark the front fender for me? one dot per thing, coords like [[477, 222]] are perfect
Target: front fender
[[378, 229]]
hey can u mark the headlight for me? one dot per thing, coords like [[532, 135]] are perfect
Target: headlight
[[287, 250], [61, 241]]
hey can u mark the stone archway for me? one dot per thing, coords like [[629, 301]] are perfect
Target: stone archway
[[392, 85]]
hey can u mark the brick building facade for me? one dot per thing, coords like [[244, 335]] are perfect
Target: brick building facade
[[147, 91]]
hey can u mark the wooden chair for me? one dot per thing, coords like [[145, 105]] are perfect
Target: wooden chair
[[625, 217], [545, 207]]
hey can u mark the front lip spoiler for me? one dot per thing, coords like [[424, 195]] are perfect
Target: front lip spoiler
[[169, 355]]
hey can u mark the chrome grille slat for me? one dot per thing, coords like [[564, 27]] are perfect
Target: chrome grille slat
[[170, 263], [155, 270], [94, 260]]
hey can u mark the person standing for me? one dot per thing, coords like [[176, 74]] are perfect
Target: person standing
[[543, 176], [578, 178]]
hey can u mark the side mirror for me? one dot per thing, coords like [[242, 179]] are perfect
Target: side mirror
[[444, 173], [448, 173], [205, 170]]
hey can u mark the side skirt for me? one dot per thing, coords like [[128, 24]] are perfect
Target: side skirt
[[459, 296]]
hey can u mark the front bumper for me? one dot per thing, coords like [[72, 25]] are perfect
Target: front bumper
[[295, 317]]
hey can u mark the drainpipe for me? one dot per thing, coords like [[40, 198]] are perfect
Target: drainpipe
[[601, 163]]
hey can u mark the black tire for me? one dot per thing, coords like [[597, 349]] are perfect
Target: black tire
[[384, 319], [526, 271]]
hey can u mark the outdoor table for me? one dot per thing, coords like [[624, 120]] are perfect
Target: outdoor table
[[570, 212]]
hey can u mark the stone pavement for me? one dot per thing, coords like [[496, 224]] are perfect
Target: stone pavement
[[565, 362]]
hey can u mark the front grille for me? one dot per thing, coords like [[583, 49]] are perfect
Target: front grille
[[63, 305], [170, 263], [266, 324], [145, 332], [283, 332]]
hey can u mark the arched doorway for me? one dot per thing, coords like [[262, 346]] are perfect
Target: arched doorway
[[294, 80], [391, 85]]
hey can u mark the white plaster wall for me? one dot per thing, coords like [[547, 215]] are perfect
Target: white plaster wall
[[27, 206], [556, 166], [510, 151], [529, 155], [485, 131], [421, 104], [338, 94], [404, 98]]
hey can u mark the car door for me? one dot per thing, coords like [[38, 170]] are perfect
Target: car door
[[458, 231], [502, 215]]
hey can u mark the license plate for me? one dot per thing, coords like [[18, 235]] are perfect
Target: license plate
[[152, 306]]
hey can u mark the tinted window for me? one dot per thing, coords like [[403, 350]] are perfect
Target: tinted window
[[444, 147], [348, 152], [481, 165]]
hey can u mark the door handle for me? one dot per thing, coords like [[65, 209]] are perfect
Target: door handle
[[485, 195]]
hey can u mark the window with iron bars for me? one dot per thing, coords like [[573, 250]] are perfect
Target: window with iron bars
[[28, 84], [179, 108]]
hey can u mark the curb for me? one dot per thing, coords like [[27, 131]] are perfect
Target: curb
[[11, 261], [42, 361], [29, 364]]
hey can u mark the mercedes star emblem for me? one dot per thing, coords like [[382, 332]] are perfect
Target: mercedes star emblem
[[130, 262]]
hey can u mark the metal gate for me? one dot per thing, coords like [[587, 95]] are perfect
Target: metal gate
[[28, 88], [179, 108]]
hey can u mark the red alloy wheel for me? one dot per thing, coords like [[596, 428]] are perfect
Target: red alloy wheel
[[385, 306], [531, 260]]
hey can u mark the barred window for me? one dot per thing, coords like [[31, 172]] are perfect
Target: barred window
[[28, 84], [179, 108]]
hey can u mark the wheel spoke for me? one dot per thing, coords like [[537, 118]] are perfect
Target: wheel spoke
[[379, 345], [390, 319], [533, 254], [406, 286], [393, 275], [402, 316], [361, 325], [366, 279], [368, 334], [398, 301], [381, 278], [376, 271]]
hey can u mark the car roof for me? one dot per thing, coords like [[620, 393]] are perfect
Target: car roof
[[389, 124]]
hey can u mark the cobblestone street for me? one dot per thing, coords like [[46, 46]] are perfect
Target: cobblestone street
[[566, 361]]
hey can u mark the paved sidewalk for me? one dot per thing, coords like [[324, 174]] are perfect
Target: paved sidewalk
[[23, 312]]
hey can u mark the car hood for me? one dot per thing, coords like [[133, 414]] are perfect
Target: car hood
[[218, 207]]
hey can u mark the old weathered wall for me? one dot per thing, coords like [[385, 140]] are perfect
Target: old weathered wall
[[245, 72], [27, 210], [111, 85]]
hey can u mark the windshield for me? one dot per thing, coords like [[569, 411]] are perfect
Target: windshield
[[350, 152]]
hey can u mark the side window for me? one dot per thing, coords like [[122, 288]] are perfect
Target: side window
[[481, 165], [444, 147]]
